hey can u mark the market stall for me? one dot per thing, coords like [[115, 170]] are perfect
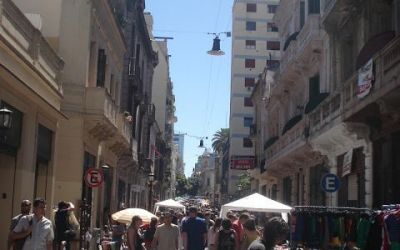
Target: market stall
[[256, 203], [170, 204]]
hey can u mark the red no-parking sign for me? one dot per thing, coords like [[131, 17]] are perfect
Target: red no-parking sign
[[94, 177]]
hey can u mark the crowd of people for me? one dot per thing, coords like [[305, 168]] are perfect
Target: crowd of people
[[169, 230]]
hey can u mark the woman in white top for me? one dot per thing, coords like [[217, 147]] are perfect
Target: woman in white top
[[211, 234]]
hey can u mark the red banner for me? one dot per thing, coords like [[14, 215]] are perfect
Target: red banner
[[242, 163]]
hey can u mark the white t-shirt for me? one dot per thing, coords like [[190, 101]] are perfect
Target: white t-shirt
[[42, 232], [167, 237]]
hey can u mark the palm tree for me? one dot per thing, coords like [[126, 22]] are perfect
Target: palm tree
[[219, 140]]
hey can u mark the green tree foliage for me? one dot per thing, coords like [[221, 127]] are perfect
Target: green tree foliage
[[244, 184], [182, 185], [194, 185], [219, 140]]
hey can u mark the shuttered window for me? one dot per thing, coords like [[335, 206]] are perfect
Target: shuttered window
[[250, 63], [248, 102], [101, 68], [313, 87], [273, 45], [251, 7], [249, 82], [313, 6]]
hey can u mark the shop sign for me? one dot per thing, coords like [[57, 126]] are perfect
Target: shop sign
[[242, 163], [365, 79], [347, 160]]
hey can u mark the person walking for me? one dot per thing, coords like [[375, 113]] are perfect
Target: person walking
[[250, 233], [134, 237], [118, 230], [167, 235], [25, 210], [212, 233], [37, 229], [149, 232], [275, 233], [64, 231], [194, 231], [226, 238], [238, 226]]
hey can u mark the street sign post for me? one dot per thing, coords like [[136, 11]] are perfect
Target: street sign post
[[330, 183], [94, 177]]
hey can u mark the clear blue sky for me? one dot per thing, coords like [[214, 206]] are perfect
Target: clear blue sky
[[201, 82]]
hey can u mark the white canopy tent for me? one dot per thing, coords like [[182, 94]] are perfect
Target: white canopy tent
[[169, 204], [256, 203]]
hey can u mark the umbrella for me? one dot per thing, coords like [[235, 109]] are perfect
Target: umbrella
[[125, 216]]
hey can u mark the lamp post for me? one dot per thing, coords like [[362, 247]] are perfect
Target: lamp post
[[151, 180], [5, 121]]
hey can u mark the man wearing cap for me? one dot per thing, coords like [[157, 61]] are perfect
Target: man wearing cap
[[194, 231]]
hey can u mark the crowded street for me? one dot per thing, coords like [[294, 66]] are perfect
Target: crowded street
[[199, 125]]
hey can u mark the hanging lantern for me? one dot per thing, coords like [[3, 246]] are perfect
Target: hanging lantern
[[5, 118], [216, 48]]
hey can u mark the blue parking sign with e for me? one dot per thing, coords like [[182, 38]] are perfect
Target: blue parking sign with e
[[330, 183]]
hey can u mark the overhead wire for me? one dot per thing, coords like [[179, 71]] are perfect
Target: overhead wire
[[208, 113]]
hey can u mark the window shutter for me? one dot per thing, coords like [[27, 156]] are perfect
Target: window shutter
[[101, 68], [314, 86]]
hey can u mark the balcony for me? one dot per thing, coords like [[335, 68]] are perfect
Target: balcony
[[31, 47], [100, 113], [124, 127], [288, 152], [387, 65], [304, 46], [325, 115]]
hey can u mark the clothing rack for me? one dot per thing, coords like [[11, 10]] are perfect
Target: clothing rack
[[325, 208], [390, 206]]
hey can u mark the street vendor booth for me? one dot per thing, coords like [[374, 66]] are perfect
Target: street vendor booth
[[170, 204], [256, 203]]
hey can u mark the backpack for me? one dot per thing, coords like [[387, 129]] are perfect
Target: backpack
[[226, 240]]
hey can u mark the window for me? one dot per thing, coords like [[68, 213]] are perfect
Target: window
[[250, 63], [249, 82], [271, 27], [101, 67], [251, 7], [273, 64], [247, 143], [313, 87], [250, 44], [272, 9], [287, 190], [248, 102], [313, 7], [302, 13], [250, 26], [273, 45], [247, 121]]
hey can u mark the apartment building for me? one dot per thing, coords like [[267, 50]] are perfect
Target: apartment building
[[330, 108], [255, 46], [30, 87], [88, 36]]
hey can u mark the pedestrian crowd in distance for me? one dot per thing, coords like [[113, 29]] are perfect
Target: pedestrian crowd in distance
[[170, 230]]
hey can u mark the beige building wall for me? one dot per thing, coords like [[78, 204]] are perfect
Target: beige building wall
[[78, 30], [240, 52], [29, 87]]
